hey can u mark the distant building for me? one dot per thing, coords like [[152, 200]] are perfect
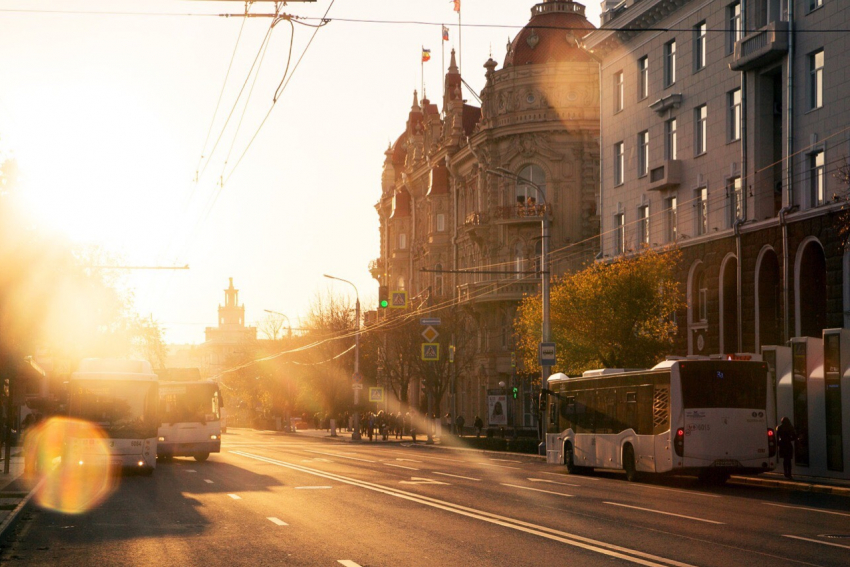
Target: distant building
[[232, 342], [724, 130]]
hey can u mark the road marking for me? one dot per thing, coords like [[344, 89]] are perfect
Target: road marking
[[680, 490], [312, 487], [808, 509], [817, 541], [562, 475], [537, 490], [401, 467], [408, 460], [235, 496], [504, 461], [190, 470], [574, 540], [348, 563], [420, 480], [339, 456], [277, 521], [552, 482], [665, 513], [492, 465], [208, 481], [456, 476]]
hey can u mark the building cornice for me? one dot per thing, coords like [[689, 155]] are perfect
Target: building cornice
[[637, 16]]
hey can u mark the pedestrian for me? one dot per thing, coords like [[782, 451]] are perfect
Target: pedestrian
[[459, 423], [785, 438], [478, 424]]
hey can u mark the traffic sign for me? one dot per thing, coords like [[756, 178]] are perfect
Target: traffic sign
[[432, 321], [430, 334], [357, 386], [376, 395], [430, 352], [357, 378], [547, 354], [398, 299]]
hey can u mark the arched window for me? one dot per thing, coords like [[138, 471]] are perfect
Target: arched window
[[438, 280], [729, 305], [401, 283], [525, 191], [702, 297], [810, 287], [519, 260], [768, 300]]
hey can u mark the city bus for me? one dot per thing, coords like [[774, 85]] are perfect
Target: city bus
[[706, 417], [120, 396], [190, 414]]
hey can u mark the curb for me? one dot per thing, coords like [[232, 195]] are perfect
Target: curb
[[789, 485], [11, 520]]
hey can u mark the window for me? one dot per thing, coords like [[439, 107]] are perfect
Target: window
[[699, 46], [620, 233], [815, 4], [734, 198], [441, 222], [701, 206], [700, 129], [816, 80], [734, 118], [669, 63], [519, 261], [733, 15], [702, 298], [672, 219], [643, 225], [619, 163], [438, 280], [402, 241], [643, 78], [643, 153], [526, 194], [816, 173], [618, 91], [670, 145], [400, 283]]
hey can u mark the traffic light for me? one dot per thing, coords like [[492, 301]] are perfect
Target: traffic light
[[383, 296], [515, 392]]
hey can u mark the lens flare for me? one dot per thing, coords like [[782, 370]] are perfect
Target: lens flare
[[74, 457]]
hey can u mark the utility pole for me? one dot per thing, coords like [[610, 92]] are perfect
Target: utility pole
[[355, 435]]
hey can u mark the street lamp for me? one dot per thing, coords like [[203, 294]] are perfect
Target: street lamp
[[288, 322], [355, 435], [544, 271]]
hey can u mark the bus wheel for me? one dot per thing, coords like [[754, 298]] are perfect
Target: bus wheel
[[629, 464], [201, 457]]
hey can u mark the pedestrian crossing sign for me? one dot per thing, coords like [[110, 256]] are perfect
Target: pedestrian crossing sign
[[398, 300], [430, 352], [376, 395]]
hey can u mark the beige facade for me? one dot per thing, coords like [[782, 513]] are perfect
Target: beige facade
[[443, 205], [231, 342]]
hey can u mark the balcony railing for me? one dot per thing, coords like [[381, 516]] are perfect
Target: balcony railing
[[519, 211], [762, 47], [501, 290]]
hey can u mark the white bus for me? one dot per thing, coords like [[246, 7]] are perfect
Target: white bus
[[120, 396], [190, 414], [709, 417]]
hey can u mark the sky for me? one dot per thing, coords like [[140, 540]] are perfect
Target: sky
[[109, 106]]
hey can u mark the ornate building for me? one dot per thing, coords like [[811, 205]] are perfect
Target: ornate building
[[456, 197], [231, 342]]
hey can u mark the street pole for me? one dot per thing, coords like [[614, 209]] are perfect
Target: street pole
[[355, 435]]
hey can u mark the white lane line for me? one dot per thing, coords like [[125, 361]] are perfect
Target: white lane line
[[235, 496], [348, 563], [341, 456], [537, 490], [503, 461], [456, 476], [312, 487], [401, 467], [552, 482], [817, 541], [190, 470], [808, 509], [575, 540], [208, 481], [680, 490], [562, 475], [277, 521], [665, 513], [408, 460], [492, 465]]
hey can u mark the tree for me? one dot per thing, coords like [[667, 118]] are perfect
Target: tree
[[609, 315], [272, 326]]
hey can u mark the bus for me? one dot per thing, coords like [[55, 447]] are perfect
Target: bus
[[120, 396], [190, 414], [706, 417]]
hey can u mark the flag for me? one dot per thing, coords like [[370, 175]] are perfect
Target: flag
[[426, 55], [445, 33], [457, 5]]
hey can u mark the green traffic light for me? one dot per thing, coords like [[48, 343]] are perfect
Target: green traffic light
[[384, 303], [516, 392]]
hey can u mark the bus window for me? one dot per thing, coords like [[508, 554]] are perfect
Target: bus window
[[660, 409], [709, 384]]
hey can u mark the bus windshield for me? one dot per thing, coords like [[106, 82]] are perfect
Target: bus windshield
[[720, 384], [116, 405], [188, 403]]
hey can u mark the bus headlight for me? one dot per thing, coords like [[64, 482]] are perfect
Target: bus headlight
[[214, 437], [161, 439], [81, 463], [141, 463]]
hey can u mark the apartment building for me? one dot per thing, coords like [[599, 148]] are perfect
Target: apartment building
[[725, 131]]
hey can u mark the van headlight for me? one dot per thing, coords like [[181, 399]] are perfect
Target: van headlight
[[214, 437], [160, 439]]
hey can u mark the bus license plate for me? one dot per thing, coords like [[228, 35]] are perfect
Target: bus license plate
[[726, 463]]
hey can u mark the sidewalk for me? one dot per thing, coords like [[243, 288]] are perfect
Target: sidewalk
[[14, 493]]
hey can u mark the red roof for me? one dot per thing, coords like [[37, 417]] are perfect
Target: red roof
[[551, 35]]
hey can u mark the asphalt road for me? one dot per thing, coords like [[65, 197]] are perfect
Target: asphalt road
[[271, 499]]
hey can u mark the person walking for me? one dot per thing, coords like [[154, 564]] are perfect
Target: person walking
[[478, 424], [459, 423], [786, 435]]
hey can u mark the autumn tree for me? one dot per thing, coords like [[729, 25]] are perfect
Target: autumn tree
[[609, 315]]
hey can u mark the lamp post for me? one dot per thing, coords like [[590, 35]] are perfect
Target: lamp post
[[544, 269], [288, 322], [355, 435]]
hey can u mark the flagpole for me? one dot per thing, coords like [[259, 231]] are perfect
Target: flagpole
[[422, 72], [459, 46], [443, 64]]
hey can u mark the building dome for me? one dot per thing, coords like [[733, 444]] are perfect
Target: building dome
[[552, 35]]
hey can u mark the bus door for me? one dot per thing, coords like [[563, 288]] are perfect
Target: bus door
[[585, 438]]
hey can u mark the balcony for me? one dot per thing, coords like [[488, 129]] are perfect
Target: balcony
[[376, 267], [475, 225], [520, 213], [666, 175], [501, 290], [760, 48]]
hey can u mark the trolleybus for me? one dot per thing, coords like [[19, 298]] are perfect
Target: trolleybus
[[190, 414], [709, 417]]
